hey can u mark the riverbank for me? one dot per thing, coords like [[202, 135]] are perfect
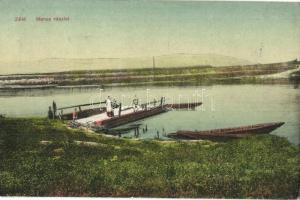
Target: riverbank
[[195, 75], [44, 158]]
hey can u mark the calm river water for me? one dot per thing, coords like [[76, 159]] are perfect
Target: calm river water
[[223, 106]]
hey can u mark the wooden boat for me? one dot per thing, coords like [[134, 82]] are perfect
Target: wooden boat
[[130, 117], [85, 113], [226, 133], [126, 115], [94, 111], [183, 105]]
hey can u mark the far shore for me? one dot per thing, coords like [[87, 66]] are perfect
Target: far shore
[[274, 73]]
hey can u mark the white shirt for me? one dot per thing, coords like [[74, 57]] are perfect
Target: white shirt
[[108, 105]]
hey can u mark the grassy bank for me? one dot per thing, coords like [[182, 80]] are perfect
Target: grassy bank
[[44, 158]]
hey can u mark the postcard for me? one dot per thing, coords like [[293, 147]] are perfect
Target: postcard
[[153, 99]]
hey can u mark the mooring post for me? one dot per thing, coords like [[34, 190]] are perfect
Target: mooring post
[[54, 109], [134, 132], [120, 109], [146, 128], [157, 134], [50, 113]]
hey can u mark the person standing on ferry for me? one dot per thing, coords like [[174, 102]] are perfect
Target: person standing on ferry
[[109, 110], [135, 103], [75, 114]]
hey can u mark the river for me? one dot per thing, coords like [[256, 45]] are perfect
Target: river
[[223, 106]]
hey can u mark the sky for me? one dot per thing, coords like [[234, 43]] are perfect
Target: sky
[[256, 31]]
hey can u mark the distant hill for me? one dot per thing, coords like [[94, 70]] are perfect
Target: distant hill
[[66, 64], [174, 60]]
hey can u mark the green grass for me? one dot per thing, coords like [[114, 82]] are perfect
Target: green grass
[[256, 167]]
